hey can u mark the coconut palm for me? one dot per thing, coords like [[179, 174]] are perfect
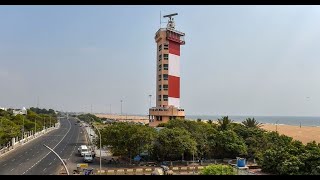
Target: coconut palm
[[251, 122], [224, 122]]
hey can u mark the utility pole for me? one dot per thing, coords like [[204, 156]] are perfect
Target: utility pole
[[121, 107]]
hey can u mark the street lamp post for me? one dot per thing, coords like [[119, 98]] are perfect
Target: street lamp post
[[150, 100], [35, 127], [121, 106], [100, 144], [23, 129], [149, 107]]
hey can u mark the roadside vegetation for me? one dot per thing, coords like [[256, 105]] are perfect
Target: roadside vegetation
[[183, 139], [13, 126]]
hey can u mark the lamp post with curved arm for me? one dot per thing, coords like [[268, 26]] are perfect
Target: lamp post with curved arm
[[100, 143], [64, 164]]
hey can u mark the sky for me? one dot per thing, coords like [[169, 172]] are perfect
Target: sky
[[237, 60]]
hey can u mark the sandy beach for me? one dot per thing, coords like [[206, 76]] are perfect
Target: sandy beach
[[304, 134], [123, 118]]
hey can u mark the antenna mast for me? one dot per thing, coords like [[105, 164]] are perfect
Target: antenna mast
[[170, 24]]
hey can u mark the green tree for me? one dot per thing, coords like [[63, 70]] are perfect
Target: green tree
[[199, 132], [218, 169], [210, 121], [89, 118], [174, 143], [227, 144], [8, 130], [128, 139], [251, 122], [224, 123]]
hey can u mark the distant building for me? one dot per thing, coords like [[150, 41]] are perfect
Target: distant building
[[168, 42], [2, 108], [22, 111]]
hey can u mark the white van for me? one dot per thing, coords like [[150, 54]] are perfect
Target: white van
[[87, 157], [83, 149]]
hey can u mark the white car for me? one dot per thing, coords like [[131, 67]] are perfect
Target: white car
[[87, 157]]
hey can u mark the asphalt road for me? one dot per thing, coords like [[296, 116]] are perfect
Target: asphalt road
[[35, 159]]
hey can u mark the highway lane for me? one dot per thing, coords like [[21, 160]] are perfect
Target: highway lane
[[67, 149], [34, 158]]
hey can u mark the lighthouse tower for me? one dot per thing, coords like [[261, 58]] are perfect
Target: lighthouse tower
[[168, 42]]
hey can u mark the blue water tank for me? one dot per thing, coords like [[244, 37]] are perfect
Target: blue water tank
[[241, 162]]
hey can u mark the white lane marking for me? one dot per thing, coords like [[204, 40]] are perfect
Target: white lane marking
[[32, 155], [4, 165], [44, 169], [28, 159], [13, 160], [49, 151], [50, 163], [12, 169]]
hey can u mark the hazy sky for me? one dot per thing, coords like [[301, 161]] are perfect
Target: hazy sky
[[238, 60]]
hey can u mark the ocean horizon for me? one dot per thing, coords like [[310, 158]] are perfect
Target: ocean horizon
[[288, 120]]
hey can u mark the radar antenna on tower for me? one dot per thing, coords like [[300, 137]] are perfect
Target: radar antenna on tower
[[170, 24]]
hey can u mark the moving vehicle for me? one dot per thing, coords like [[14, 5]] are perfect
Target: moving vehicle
[[88, 157], [83, 149]]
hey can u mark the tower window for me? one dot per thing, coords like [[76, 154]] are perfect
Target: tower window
[[165, 76], [159, 87], [165, 56], [159, 77], [160, 57], [159, 98], [160, 67], [160, 47], [166, 46], [165, 97], [165, 66], [165, 87]]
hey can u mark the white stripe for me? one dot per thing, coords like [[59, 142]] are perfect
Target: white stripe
[[174, 101], [174, 65]]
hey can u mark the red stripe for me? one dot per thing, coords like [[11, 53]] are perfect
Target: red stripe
[[174, 86], [174, 48]]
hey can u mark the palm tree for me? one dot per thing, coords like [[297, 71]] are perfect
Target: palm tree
[[251, 123], [224, 122]]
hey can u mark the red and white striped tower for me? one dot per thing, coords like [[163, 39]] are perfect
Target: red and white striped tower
[[168, 42]]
